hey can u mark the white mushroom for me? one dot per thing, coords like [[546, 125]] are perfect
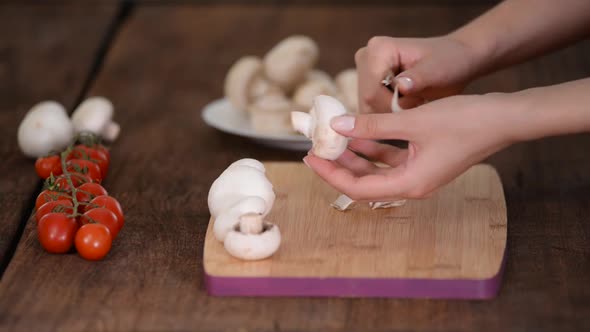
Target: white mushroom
[[327, 143], [347, 83], [239, 200], [245, 83], [271, 115], [307, 91], [45, 128], [288, 63], [95, 115]]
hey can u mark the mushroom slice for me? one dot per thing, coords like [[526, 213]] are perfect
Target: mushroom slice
[[45, 128], [387, 205], [327, 143], [288, 63], [343, 203], [270, 115], [347, 84], [95, 115], [251, 244]]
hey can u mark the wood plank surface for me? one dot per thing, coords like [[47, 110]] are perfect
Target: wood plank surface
[[167, 63], [458, 233], [41, 57]]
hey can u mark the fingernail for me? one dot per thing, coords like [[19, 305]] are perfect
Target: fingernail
[[305, 162], [405, 83], [343, 123]]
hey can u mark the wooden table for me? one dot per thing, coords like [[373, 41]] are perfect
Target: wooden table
[[160, 63]]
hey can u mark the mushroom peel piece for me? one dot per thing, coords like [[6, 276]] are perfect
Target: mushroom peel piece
[[327, 143], [240, 214], [95, 115], [288, 63], [347, 84], [271, 115], [253, 246], [305, 93], [240, 180], [45, 128], [245, 82]]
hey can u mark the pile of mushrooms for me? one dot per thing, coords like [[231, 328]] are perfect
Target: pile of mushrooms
[[46, 128], [267, 89], [239, 200]]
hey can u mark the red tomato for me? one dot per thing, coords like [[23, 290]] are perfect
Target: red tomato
[[45, 166], [104, 150], [56, 232], [109, 203], [102, 216], [50, 195], [78, 179], [82, 151], [85, 167], [61, 206], [88, 191], [93, 241]]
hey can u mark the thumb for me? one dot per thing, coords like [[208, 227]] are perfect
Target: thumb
[[374, 126]]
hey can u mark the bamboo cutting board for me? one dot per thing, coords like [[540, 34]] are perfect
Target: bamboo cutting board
[[451, 245]]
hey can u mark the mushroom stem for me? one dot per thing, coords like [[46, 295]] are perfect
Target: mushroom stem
[[111, 131], [251, 223], [302, 123]]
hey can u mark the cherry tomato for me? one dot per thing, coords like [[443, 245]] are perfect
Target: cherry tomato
[[50, 195], [104, 150], [85, 167], [88, 191], [95, 155], [102, 216], [109, 203], [45, 166], [56, 232], [93, 241], [61, 206], [78, 179]]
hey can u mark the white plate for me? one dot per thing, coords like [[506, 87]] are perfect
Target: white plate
[[220, 114]]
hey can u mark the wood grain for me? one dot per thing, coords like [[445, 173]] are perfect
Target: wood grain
[[41, 57], [458, 233], [166, 64]]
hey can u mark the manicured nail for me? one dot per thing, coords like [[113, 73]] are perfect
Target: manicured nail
[[343, 123], [405, 83], [305, 162]]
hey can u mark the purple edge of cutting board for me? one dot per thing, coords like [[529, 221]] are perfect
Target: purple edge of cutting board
[[357, 287]]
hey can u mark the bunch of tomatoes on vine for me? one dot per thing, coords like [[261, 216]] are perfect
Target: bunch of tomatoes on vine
[[74, 209]]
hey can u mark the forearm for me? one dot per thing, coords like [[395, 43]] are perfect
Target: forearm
[[549, 111], [516, 30]]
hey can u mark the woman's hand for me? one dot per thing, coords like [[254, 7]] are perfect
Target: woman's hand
[[445, 138], [429, 68]]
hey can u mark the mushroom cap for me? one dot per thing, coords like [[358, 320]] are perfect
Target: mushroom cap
[[253, 246], [249, 162], [306, 92], [271, 114], [327, 143], [227, 219], [45, 128], [240, 80], [93, 115], [288, 63], [237, 182], [347, 84], [318, 75]]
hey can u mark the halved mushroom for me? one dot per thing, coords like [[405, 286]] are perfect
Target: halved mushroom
[[327, 143], [254, 239], [245, 83]]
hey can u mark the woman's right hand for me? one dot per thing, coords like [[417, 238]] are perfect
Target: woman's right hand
[[426, 68]]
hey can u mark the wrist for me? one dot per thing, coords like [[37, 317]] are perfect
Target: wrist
[[480, 50]]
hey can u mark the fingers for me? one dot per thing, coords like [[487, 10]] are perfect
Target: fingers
[[377, 126], [384, 153], [373, 63], [359, 166], [367, 187]]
